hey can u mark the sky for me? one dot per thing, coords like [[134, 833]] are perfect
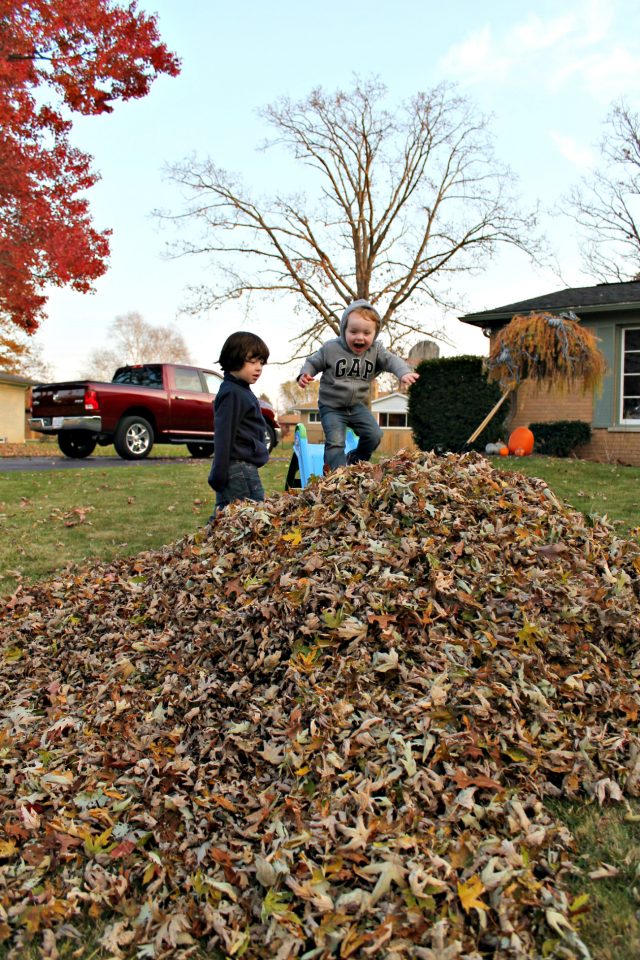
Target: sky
[[546, 72]]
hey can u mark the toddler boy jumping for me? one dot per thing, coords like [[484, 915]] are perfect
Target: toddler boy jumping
[[348, 364]]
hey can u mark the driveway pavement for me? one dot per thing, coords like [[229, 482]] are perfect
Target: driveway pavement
[[14, 464]]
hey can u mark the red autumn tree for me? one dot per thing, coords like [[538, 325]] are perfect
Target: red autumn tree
[[58, 57]]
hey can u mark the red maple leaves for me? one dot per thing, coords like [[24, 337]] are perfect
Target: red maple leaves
[[85, 54]]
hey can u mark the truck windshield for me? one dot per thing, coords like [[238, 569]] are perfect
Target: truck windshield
[[146, 375]]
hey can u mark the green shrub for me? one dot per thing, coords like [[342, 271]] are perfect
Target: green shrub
[[561, 437], [450, 401]]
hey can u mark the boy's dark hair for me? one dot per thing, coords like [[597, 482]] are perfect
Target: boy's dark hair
[[240, 347]]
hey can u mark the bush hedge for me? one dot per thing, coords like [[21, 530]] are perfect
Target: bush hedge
[[560, 437], [450, 401]]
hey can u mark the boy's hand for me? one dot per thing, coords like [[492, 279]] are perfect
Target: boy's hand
[[409, 378], [304, 379]]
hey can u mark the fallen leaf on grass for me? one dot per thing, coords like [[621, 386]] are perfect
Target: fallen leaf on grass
[[606, 870]]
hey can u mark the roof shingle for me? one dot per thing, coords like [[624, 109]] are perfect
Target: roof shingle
[[599, 297]]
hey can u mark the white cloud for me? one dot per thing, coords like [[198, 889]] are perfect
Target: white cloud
[[613, 74], [477, 58], [595, 22], [536, 34], [576, 153], [482, 55], [606, 75], [594, 44]]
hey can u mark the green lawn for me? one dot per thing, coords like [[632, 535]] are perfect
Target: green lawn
[[49, 519], [605, 489]]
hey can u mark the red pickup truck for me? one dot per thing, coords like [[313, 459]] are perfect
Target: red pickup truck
[[144, 404]]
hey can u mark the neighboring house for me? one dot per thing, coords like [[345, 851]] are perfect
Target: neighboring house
[[13, 401], [612, 312], [288, 423], [389, 409], [307, 414]]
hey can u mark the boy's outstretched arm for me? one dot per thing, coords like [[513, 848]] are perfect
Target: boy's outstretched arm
[[409, 378], [313, 365]]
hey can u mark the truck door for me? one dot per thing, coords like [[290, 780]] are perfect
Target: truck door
[[191, 405]]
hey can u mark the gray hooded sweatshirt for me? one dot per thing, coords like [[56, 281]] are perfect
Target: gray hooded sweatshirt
[[346, 376]]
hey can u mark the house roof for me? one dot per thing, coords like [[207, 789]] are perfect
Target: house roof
[[388, 396], [16, 379], [595, 299], [395, 402]]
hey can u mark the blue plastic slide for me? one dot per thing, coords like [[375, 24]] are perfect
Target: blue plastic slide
[[307, 459]]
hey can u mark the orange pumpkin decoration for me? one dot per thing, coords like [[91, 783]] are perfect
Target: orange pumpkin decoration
[[521, 442], [504, 451]]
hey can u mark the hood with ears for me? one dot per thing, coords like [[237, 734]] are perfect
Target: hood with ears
[[357, 305]]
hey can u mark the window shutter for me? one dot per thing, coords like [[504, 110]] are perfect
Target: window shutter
[[604, 402]]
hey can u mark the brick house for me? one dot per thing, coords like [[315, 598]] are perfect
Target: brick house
[[612, 312]]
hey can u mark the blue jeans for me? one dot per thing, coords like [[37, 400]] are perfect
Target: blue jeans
[[243, 484], [334, 425]]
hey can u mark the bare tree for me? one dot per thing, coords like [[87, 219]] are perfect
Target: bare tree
[[133, 340], [406, 199], [291, 396], [607, 205]]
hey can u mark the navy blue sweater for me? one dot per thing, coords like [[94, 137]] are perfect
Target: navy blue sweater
[[239, 430]]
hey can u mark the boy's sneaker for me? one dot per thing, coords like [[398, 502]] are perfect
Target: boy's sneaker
[[352, 458]]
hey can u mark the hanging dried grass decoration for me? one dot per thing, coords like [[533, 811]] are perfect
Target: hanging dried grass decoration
[[546, 348]]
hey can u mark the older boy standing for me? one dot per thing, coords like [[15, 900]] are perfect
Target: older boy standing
[[348, 364], [239, 427]]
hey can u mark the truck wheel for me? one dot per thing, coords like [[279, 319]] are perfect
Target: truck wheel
[[76, 443], [200, 450], [134, 438], [269, 438]]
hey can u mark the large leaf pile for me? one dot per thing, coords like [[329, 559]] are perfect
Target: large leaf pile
[[325, 729]]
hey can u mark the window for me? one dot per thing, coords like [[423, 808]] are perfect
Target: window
[[147, 375], [392, 419], [631, 376], [188, 379], [212, 380], [314, 416]]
